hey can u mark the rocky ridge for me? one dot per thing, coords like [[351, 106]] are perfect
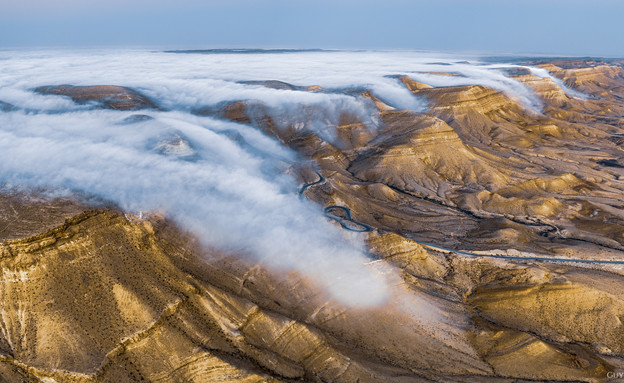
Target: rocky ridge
[[99, 295]]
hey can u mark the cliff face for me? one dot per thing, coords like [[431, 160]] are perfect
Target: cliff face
[[102, 298], [99, 295]]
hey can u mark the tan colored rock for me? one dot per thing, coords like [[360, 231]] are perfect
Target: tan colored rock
[[113, 97], [98, 296]]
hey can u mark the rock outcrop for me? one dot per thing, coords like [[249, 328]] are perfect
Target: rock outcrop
[[108, 96], [470, 207]]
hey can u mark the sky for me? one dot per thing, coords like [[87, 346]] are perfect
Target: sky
[[547, 27]]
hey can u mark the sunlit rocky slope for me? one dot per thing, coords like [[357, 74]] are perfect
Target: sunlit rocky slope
[[460, 198]]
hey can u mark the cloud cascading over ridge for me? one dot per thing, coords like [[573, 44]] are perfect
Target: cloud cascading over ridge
[[232, 196]]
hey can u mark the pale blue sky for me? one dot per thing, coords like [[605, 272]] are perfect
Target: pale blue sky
[[571, 27]]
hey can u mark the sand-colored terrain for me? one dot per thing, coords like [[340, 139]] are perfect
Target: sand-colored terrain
[[89, 293]]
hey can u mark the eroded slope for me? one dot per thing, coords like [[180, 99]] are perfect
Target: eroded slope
[[105, 296]]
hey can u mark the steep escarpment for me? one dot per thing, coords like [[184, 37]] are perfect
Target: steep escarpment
[[479, 114], [105, 299], [313, 130], [604, 81], [422, 154], [499, 230], [77, 308], [465, 155]]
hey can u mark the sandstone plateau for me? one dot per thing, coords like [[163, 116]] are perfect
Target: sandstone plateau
[[460, 198]]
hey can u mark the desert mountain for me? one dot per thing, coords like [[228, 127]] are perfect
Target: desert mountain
[[501, 228]]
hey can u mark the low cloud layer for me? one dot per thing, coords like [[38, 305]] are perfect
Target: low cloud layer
[[184, 81], [231, 197], [232, 193]]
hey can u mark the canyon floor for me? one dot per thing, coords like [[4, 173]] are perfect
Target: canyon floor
[[502, 227]]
